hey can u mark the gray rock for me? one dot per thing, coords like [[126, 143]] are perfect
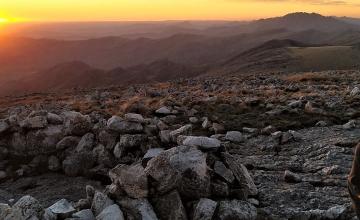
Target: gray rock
[[218, 128], [100, 202], [85, 214], [86, 143], [184, 130], [76, 123], [134, 117], [132, 179], [108, 139], [77, 164], [5, 210], [62, 209], [221, 170], [112, 212], [151, 153], [236, 209], [181, 167], [193, 120], [234, 136], [138, 208], [165, 136], [118, 151], [117, 124], [54, 119], [163, 111], [35, 122], [204, 209], [206, 123], [202, 142], [170, 206], [26, 207], [241, 174], [131, 141]]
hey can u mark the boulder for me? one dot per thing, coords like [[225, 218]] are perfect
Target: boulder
[[138, 208], [62, 209], [112, 212], [100, 202], [204, 143], [236, 209], [85, 214], [76, 123], [117, 124], [170, 206], [131, 141], [26, 207], [132, 179], [151, 153], [204, 209], [86, 143], [183, 168], [134, 117], [54, 119], [241, 174], [184, 130], [234, 136], [35, 122], [221, 170]]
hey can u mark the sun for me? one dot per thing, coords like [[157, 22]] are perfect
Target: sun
[[3, 20]]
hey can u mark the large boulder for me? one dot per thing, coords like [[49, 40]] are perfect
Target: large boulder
[[183, 168], [26, 207], [170, 206], [138, 208], [86, 143], [117, 124], [76, 123], [236, 209], [241, 174], [204, 143], [132, 179], [35, 122]]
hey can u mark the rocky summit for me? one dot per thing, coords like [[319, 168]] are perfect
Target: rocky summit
[[250, 147]]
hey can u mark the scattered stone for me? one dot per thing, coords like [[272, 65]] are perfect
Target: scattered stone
[[321, 124], [85, 214], [206, 123], [130, 141], [26, 207], [234, 136], [132, 117], [151, 153], [355, 91], [184, 130], [86, 143], [193, 120], [35, 122], [204, 143], [117, 124], [76, 123], [67, 142], [250, 130], [54, 119]]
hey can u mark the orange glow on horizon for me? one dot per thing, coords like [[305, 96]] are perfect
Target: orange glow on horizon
[[140, 10]]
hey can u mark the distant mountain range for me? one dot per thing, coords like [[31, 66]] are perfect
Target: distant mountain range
[[158, 51]]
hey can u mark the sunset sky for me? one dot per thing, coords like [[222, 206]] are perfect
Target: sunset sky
[[100, 10]]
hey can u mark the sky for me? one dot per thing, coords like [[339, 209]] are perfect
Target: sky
[[136, 10]]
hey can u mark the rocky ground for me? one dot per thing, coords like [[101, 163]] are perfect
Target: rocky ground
[[255, 146]]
